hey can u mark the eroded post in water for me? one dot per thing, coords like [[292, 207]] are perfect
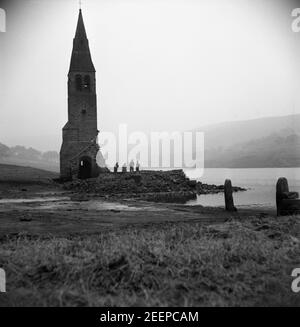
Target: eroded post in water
[[282, 188], [229, 205], [287, 202]]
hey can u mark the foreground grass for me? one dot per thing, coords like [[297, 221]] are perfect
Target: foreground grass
[[186, 264]]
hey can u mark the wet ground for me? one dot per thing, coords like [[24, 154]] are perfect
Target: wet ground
[[51, 239], [48, 209]]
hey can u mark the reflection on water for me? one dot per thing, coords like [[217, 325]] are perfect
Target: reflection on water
[[260, 184]]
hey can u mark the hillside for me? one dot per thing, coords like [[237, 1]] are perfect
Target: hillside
[[272, 151], [263, 142], [22, 156], [230, 133], [25, 175]]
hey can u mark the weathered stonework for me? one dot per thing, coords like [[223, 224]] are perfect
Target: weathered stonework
[[229, 205], [288, 203], [79, 148]]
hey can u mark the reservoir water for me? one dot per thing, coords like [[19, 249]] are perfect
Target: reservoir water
[[259, 182]]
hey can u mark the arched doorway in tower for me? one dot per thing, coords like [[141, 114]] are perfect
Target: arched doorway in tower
[[85, 168]]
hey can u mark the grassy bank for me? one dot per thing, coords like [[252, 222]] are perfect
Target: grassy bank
[[25, 175], [234, 263]]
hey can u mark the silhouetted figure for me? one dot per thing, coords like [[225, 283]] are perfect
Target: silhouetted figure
[[124, 168], [131, 166], [229, 205], [137, 167], [116, 167]]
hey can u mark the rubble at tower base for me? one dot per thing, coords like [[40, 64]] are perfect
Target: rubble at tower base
[[157, 186]]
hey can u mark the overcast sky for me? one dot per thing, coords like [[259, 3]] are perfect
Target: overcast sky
[[162, 65]]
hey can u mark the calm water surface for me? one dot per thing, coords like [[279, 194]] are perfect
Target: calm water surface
[[260, 184]]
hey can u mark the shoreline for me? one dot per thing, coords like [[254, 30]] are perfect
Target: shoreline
[[50, 210], [117, 247]]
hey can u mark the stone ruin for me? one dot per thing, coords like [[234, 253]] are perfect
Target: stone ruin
[[287, 203], [229, 205]]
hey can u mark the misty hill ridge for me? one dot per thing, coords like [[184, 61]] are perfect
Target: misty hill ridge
[[22, 156], [263, 142], [230, 133], [272, 151]]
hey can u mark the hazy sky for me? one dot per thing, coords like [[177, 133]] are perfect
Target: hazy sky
[[162, 65]]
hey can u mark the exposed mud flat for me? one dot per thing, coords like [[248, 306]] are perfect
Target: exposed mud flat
[[40, 206], [32, 200], [180, 254], [60, 215]]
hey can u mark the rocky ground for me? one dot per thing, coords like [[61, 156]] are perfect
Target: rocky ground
[[156, 186]]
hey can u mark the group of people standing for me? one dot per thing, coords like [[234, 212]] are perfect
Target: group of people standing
[[124, 167]]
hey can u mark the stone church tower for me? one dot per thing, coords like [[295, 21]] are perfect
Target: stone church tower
[[79, 148]]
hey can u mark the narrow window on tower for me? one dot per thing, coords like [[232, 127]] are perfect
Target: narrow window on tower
[[78, 82], [87, 83]]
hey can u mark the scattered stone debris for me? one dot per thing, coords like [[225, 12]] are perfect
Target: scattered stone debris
[[203, 188], [25, 218], [159, 186]]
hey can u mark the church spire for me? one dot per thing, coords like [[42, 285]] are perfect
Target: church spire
[[81, 60], [80, 30]]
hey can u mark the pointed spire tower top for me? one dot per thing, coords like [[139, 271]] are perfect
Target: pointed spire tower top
[[81, 60], [80, 30]]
